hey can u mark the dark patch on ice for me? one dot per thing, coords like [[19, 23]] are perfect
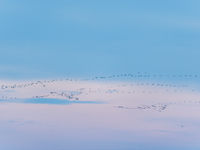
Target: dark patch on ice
[[155, 107]]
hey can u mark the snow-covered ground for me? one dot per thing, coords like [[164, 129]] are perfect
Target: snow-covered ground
[[99, 114]]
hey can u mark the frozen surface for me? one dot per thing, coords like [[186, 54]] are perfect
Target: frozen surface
[[99, 114]]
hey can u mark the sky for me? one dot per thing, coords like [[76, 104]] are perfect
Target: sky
[[41, 38]]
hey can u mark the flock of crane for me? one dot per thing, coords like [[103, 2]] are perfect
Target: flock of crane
[[128, 86]]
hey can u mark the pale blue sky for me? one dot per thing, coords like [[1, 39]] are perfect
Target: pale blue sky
[[43, 38]]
